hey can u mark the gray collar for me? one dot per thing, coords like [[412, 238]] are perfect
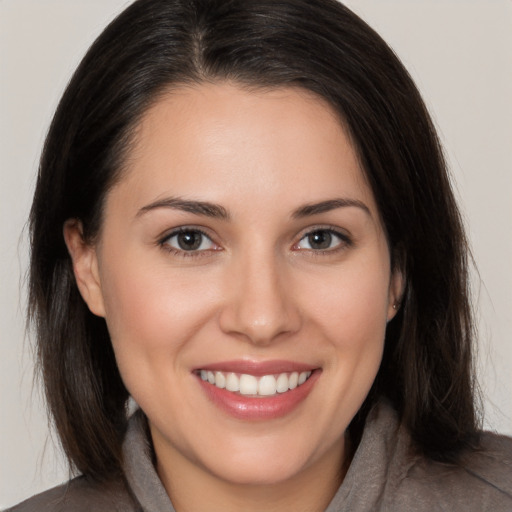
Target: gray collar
[[381, 453], [139, 469]]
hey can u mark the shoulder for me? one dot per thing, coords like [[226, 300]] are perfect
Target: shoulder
[[481, 481], [81, 495]]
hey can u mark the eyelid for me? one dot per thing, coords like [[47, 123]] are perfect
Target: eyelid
[[163, 241], [346, 239]]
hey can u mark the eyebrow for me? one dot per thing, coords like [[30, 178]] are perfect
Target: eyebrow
[[196, 207], [326, 206], [217, 211]]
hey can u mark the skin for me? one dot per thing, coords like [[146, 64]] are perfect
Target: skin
[[255, 290]]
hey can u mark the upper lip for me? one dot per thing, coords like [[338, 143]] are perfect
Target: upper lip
[[257, 368]]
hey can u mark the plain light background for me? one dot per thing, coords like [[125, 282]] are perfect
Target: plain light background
[[458, 51]]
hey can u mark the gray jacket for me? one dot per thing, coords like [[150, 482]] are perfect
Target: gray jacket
[[385, 475]]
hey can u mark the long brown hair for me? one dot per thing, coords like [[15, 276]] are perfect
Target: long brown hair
[[318, 45]]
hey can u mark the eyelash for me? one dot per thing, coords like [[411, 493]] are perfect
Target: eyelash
[[164, 243], [344, 242]]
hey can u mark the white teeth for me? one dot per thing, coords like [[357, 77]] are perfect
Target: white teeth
[[294, 380], [302, 378], [248, 385], [232, 382], [266, 385], [282, 383], [220, 380]]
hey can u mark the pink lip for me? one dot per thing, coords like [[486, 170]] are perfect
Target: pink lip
[[258, 368], [259, 408]]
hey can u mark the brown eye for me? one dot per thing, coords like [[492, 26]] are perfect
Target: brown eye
[[322, 240], [189, 240]]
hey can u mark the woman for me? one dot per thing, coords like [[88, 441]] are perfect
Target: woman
[[252, 233]]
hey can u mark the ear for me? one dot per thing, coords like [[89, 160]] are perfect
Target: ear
[[85, 266], [396, 292]]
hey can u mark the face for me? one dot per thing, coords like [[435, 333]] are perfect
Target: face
[[244, 275]]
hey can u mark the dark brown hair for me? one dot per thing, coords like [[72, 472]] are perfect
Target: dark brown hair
[[318, 45]]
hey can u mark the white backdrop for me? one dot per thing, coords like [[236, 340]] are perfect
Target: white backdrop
[[458, 51]]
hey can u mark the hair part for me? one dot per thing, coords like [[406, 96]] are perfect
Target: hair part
[[319, 46]]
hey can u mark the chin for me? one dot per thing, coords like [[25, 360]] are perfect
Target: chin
[[248, 473], [261, 462]]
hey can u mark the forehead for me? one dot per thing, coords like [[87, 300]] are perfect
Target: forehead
[[224, 141]]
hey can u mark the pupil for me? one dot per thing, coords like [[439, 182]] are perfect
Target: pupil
[[189, 240], [320, 240]]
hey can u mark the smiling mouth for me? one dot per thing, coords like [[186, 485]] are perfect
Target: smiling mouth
[[251, 386]]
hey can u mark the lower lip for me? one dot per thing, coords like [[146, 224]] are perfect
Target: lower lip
[[259, 408]]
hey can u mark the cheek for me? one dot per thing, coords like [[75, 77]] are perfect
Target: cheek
[[350, 312], [153, 319], [352, 305], [152, 312]]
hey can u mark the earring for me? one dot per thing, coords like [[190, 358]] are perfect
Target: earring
[[396, 306]]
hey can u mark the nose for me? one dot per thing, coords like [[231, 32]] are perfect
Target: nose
[[261, 305]]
